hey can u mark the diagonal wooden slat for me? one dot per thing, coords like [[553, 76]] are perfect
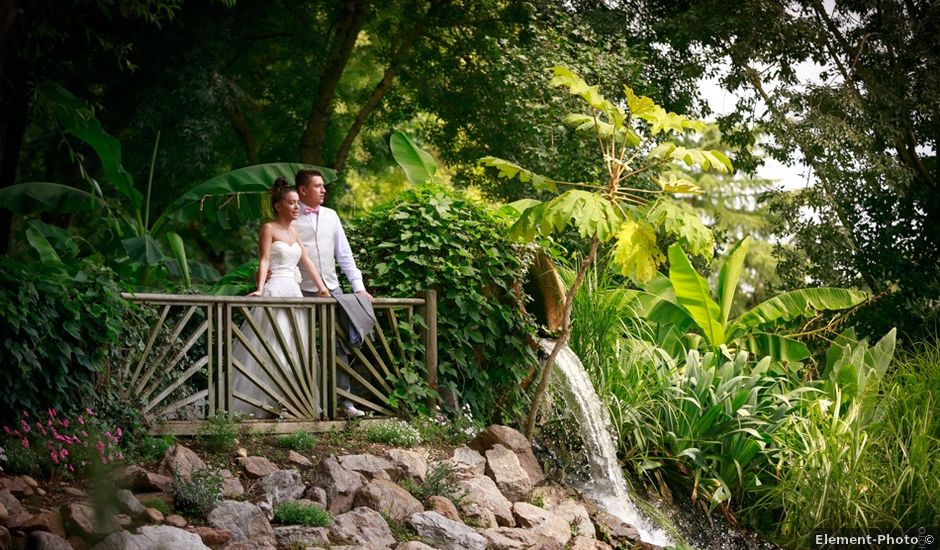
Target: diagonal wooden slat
[[362, 359], [171, 366], [179, 382], [380, 334], [177, 405], [154, 331], [362, 381], [364, 403], [168, 345], [246, 372]]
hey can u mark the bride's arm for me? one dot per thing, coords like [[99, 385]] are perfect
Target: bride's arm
[[312, 269], [265, 238]]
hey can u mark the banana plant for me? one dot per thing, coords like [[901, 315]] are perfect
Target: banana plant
[[418, 164], [687, 302], [636, 142], [138, 240]]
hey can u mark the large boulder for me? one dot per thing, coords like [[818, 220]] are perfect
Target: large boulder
[[446, 534], [256, 467], [509, 538], [577, 516], [138, 479], [617, 531], [232, 487], [340, 484], [588, 543], [16, 514], [298, 536], [362, 526], [180, 460], [514, 441], [545, 524], [444, 506], [282, 485], [407, 465], [388, 498], [483, 496], [81, 519], [43, 540], [244, 520], [468, 463], [370, 466], [151, 537], [502, 465]]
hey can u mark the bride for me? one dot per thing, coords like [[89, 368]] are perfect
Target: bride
[[256, 383]]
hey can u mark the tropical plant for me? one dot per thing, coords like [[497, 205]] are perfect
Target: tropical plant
[[685, 301], [634, 143], [135, 244]]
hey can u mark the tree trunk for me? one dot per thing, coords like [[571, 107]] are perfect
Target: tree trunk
[[562, 338], [352, 17]]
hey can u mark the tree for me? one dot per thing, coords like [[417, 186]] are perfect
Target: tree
[[867, 127], [631, 142]]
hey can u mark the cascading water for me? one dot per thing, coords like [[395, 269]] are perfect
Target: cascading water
[[606, 485]]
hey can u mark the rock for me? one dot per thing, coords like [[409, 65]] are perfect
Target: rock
[[16, 514], [147, 498], [503, 466], [138, 479], [615, 529], [446, 534], [551, 495], [180, 460], [577, 516], [76, 492], [129, 503], [468, 463], [361, 526], [588, 543], [81, 520], [282, 485], [386, 497], [6, 541], [444, 507], [42, 540], [370, 466], [316, 495], [483, 496], [413, 545], [210, 536], [244, 520], [124, 520], [40, 491], [4, 515], [339, 484], [257, 466], [17, 486], [509, 538], [298, 459], [407, 465], [298, 536], [231, 486], [252, 545], [176, 520], [152, 515], [547, 544], [150, 537], [241, 451], [528, 515], [515, 442], [50, 522]]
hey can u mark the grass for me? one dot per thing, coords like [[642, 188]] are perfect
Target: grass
[[309, 515], [298, 441], [220, 434], [158, 505]]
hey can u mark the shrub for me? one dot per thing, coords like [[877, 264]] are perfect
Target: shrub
[[220, 433], [58, 333], [153, 448], [197, 496], [297, 441], [393, 432], [158, 505], [438, 428], [440, 481], [433, 238], [295, 513]]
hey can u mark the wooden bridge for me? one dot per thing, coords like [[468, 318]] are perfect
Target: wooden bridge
[[181, 372]]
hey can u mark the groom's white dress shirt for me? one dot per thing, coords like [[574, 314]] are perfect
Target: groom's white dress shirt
[[322, 235]]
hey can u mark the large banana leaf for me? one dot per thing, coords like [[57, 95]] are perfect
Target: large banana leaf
[[729, 275], [79, 120], [779, 348], [41, 196], [418, 165], [693, 295], [179, 253], [234, 196], [805, 302]]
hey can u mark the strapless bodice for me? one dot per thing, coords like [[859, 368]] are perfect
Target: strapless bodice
[[283, 259]]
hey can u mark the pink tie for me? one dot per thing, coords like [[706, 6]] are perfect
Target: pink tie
[[308, 210]]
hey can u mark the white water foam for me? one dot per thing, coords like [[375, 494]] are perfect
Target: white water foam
[[606, 485]]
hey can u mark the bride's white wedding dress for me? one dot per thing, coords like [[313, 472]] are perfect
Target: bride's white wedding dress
[[284, 384]]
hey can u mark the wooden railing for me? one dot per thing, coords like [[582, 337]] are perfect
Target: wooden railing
[[181, 372]]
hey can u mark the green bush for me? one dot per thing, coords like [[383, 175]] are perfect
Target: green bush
[[197, 496], [220, 433], [298, 441], [432, 238], [440, 481], [59, 332], [295, 513], [158, 505], [153, 448], [393, 432]]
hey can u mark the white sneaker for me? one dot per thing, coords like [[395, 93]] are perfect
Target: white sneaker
[[350, 410]]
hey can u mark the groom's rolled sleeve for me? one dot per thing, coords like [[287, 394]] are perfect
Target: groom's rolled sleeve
[[346, 261]]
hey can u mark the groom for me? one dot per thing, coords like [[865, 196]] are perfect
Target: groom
[[322, 235]]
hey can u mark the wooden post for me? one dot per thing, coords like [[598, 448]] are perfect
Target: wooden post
[[430, 339]]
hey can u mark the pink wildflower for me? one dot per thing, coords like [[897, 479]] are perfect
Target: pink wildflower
[[71, 468], [81, 421], [63, 453], [87, 410], [6, 429], [54, 456], [65, 423], [24, 413], [84, 433], [25, 443], [25, 426], [51, 413], [101, 446], [119, 432]]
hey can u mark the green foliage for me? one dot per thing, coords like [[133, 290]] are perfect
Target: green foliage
[[197, 496], [417, 163], [61, 327], [441, 480], [152, 448], [432, 238], [297, 441], [220, 433], [157, 504], [396, 433], [308, 515]]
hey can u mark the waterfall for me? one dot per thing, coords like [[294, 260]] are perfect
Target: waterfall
[[606, 485]]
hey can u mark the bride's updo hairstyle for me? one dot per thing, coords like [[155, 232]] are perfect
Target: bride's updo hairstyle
[[279, 190]]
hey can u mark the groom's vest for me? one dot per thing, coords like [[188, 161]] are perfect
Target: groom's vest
[[320, 241]]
